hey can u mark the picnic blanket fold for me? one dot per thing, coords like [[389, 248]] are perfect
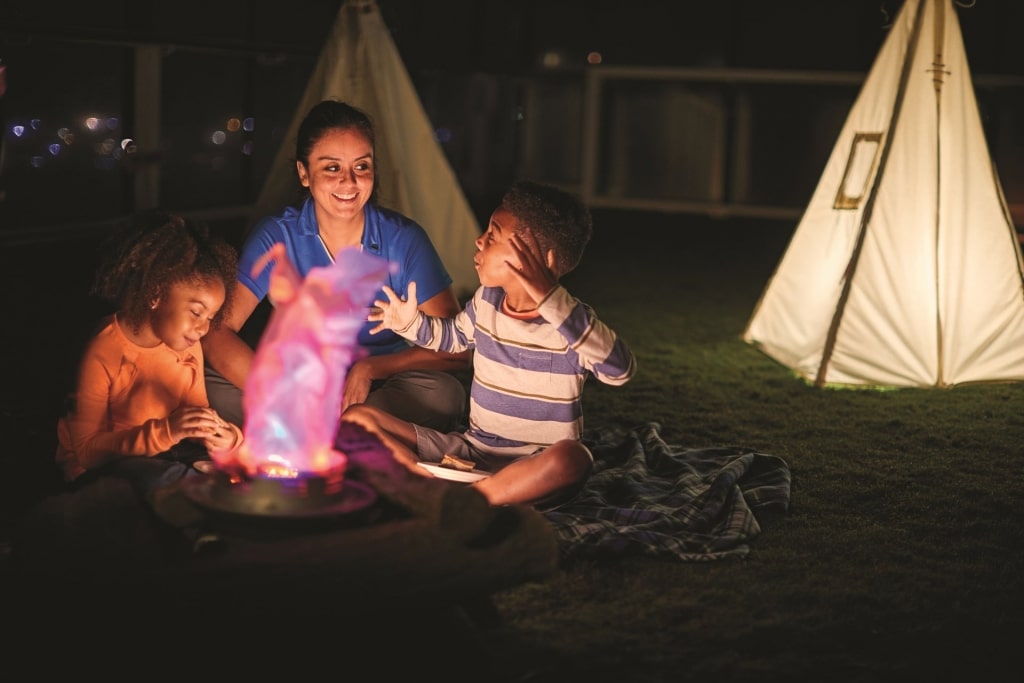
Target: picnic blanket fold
[[651, 498]]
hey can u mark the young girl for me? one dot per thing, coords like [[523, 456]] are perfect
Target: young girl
[[140, 409]]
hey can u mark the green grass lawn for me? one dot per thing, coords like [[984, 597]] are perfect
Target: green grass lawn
[[902, 554]]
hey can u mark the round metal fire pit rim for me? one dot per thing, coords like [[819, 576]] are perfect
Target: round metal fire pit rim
[[277, 498]]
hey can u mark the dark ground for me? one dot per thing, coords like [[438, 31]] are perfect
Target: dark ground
[[49, 314]]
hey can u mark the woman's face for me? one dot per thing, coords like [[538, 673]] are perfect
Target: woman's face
[[340, 174]]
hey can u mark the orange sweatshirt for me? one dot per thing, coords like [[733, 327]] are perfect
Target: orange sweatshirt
[[125, 395]]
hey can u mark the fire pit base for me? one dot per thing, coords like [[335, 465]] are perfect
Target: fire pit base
[[261, 506]]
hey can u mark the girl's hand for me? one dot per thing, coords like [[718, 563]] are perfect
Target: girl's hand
[[221, 440], [193, 422], [395, 313]]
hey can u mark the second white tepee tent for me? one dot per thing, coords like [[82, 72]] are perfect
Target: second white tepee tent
[[905, 269], [360, 64]]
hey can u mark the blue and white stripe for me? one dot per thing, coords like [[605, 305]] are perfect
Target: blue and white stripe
[[528, 375]]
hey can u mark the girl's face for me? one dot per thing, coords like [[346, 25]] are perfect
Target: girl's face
[[494, 252], [182, 316], [340, 174]]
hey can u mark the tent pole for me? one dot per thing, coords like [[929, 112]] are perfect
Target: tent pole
[[938, 74], [869, 205]]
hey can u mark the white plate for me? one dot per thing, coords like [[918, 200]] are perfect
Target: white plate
[[204, 466], [453, 474]]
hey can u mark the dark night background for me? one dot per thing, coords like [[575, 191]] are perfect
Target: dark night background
[[502, 82], [485, 74]]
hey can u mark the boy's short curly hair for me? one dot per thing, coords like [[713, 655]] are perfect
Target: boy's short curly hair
[[159, 250], [560, 221]]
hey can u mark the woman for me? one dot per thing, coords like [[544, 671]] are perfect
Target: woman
[[334, 154]]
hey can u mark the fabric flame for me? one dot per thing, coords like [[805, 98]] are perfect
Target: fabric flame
[[293, 394]]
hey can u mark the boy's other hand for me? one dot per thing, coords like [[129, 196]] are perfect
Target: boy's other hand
[[396, 313]]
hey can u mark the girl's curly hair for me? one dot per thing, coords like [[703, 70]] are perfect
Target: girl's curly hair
[[160, 250]]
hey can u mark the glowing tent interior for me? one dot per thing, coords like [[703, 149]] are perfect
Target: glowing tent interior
[[905, 269]]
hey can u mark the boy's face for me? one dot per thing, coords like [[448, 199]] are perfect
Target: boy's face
[[494, 252]]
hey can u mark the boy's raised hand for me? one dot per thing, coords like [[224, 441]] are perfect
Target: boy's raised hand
[[535, 271], [396, 313]]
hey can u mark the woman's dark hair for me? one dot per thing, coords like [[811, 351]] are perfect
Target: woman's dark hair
[[334, 115], [156, 251]]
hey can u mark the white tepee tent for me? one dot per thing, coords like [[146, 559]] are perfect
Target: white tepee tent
[[361, 65], [905, 269]]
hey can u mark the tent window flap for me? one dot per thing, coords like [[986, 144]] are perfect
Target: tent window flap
[[860, 166]]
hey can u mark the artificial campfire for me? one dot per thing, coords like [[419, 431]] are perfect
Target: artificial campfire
[[293, 394]]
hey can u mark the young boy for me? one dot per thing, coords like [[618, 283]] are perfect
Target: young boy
[[534, 345]]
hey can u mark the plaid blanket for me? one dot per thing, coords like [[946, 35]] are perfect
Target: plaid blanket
[[650, 498]]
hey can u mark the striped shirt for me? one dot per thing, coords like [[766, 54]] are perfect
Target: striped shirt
[[528, 375]]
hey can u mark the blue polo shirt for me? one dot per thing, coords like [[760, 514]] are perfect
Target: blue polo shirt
[[386, 233]]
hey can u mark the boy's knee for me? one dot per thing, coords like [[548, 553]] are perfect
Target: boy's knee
[[576, 459], [568, 461]]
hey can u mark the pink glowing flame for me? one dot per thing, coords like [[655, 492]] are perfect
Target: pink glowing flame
[[293, 394]]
